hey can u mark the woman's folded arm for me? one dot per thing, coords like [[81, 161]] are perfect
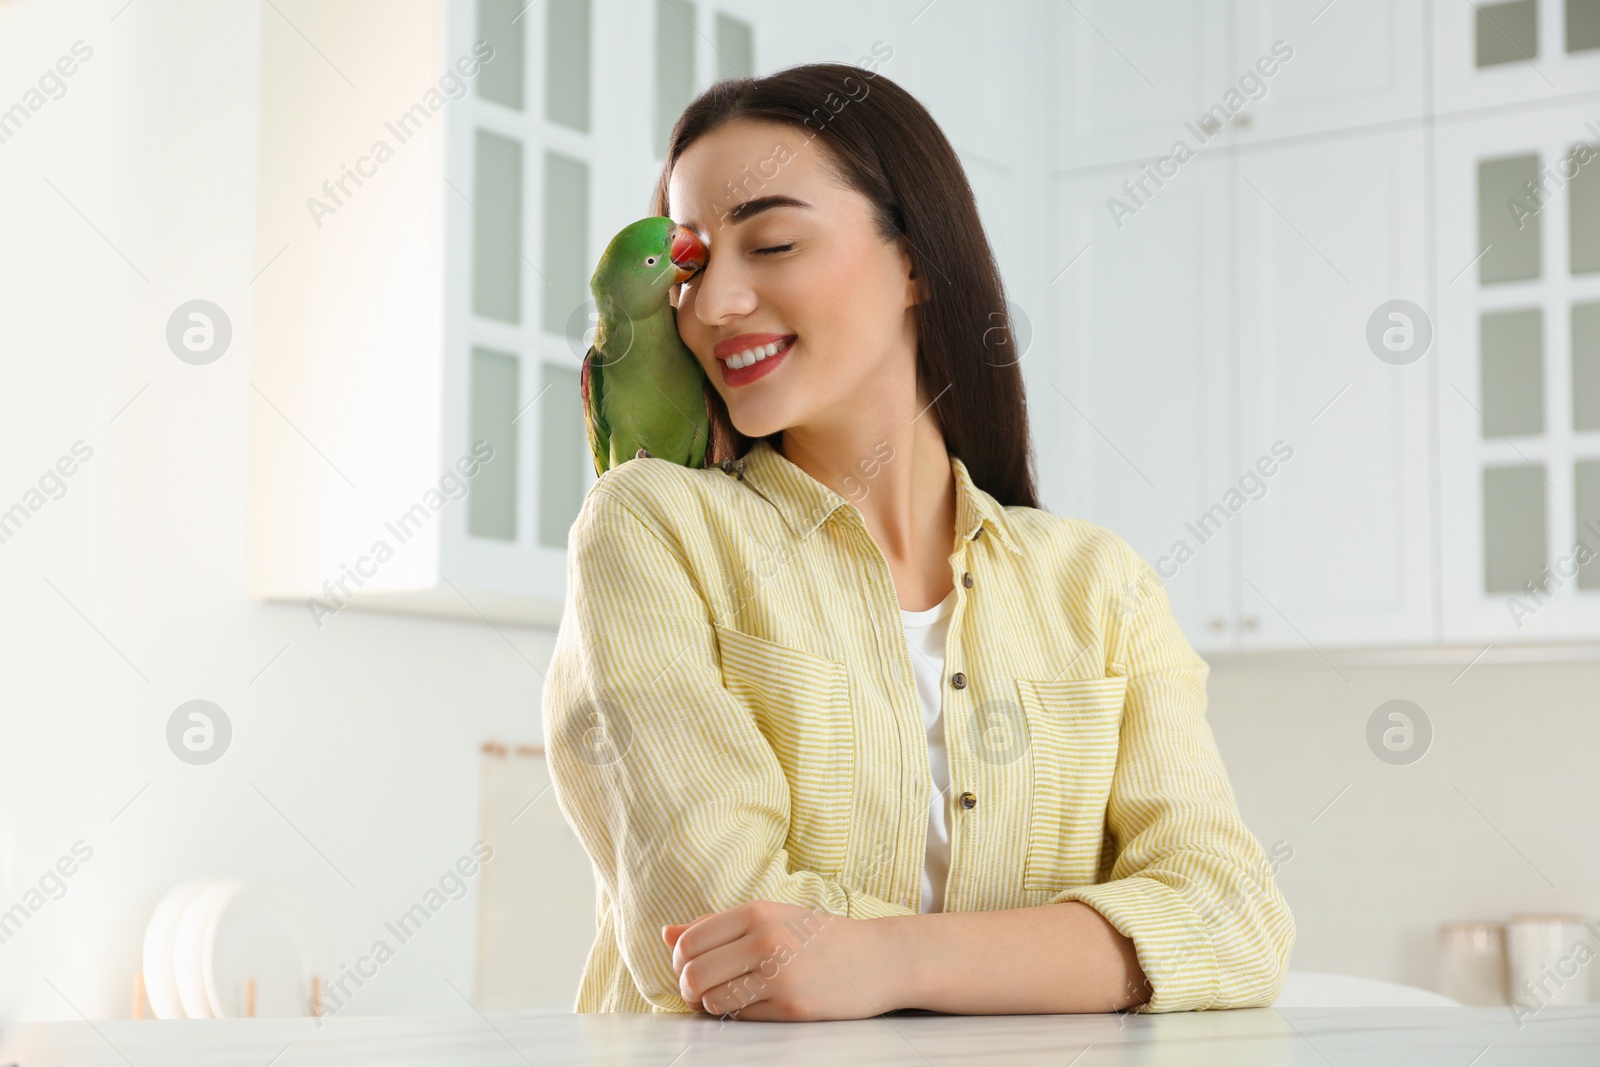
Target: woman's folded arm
[[1191, 886], [673, 790]]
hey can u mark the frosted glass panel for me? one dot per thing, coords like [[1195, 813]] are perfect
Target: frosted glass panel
[[497, 228], [492, 503], [501, 79], [1583, 25], [566, 264], [736, 49], [1586, 367], [1513, 528], [1512, 385], [1507, 33], [1583, 212], [1513, 242], [674, 66], [1586, 488], [563, 453], [566, 63]]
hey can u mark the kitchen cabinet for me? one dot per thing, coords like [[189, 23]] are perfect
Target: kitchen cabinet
[[1201, 328], [1519, 375], [1230, 420], [428, 221], [1235, 72], [1426, 488], [1350, 64], [1143, 385], [1493, 55], [1338, 547], [1124, 88]]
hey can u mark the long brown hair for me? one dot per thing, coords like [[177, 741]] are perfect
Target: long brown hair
[[884, 144]]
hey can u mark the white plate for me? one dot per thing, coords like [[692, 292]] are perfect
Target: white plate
[[160, 939], [268, 933], [189, 947]]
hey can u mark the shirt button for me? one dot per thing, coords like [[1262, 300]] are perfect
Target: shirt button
[[966, 580], [969, 801], [958, 680]]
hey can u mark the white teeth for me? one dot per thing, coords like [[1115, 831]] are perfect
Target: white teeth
[[754, 355]]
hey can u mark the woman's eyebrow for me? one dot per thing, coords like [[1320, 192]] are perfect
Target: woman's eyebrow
[[751, 208]]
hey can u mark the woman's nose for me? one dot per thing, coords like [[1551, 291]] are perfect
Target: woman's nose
[[720, 292]]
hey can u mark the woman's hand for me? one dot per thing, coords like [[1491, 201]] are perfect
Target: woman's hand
[[766, 960]]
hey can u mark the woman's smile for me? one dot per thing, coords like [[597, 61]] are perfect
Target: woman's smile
[[751, 355]]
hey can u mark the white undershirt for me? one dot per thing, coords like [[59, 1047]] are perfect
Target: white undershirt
[[925, 633]]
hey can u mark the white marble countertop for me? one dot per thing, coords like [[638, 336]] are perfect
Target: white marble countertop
[[1414, 1037]]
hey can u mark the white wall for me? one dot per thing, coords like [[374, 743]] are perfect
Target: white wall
[[364, 734], [1497, 817]]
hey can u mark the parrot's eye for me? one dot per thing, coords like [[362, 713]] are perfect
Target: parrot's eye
[[649, 261]]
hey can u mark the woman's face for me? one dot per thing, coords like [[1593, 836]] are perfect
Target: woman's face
[[794, 261]]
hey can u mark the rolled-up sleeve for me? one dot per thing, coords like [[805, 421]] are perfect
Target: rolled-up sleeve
[[1190, 884], [673, 790]]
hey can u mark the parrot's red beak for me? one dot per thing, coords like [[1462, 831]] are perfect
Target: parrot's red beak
[[688, 252]]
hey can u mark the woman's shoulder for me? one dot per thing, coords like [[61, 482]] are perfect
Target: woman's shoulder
[[662, 494], [1068, 541], [1096, 567], [1104, 583]]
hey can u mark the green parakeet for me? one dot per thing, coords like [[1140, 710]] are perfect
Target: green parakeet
[[642, 387]]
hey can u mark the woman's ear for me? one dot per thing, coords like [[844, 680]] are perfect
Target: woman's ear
[[921, 287], [916, 291]]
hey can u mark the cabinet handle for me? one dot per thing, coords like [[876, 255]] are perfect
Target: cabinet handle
[[1216, 624], [1249, 622]]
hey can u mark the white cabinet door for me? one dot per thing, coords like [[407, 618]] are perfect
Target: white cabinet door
[[1141, 381], [1328, 66], [1132, 78], [1519, 391], [1336, 543], [1491, 54], [528, 215]]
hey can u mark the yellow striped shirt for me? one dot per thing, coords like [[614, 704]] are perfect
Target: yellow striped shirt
[[731, 715]]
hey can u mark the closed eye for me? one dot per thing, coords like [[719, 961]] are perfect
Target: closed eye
[[773, 249]]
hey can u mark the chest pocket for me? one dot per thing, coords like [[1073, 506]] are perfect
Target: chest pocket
[[801, 704], [1074, 729]]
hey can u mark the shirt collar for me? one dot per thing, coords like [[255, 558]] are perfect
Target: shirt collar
[[805, 503]]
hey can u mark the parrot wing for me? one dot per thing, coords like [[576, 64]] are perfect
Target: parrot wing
[[591, 383]]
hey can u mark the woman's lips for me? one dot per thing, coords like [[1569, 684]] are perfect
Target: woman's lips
[[743, 375]]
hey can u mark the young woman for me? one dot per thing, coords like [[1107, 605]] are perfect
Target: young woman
[[849, 725]]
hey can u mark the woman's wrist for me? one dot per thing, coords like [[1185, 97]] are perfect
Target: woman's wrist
[[900, 959]]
